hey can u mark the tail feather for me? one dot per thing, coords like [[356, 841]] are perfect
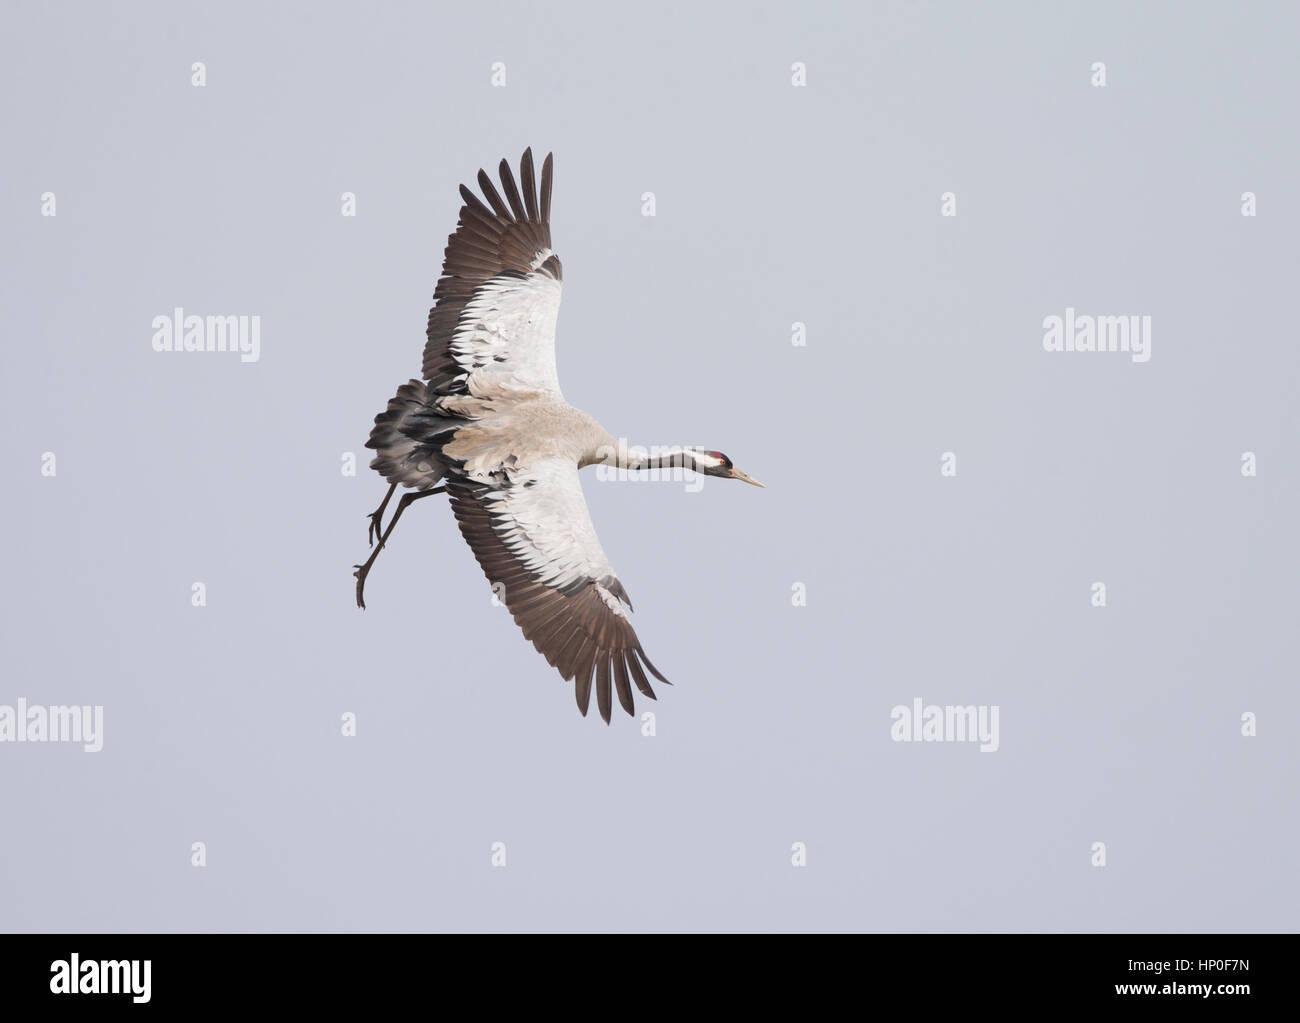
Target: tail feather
[[408, 437]]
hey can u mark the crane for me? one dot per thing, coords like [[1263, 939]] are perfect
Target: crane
[[488, 426]]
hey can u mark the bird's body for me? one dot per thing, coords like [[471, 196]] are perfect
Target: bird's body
[[557, 431], [489, 425]]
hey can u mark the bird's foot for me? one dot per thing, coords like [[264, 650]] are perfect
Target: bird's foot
[[360, 575], [376, 527]]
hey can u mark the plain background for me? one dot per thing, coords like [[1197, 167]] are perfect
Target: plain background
[[775, 205]]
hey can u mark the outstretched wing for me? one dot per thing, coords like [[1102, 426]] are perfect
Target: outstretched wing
[[532, 534], [492, 326]]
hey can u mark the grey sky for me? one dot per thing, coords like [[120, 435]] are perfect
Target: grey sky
[[774, 205]]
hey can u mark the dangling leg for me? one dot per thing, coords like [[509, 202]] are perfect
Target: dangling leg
[[377, 517], [363, 570]]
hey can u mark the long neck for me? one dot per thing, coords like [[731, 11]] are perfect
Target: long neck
[[632, 457], [665, 458]]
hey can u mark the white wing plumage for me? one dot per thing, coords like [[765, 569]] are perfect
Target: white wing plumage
[[532, 534], [504, 343]]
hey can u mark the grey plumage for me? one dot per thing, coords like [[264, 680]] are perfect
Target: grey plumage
[[489, 424]]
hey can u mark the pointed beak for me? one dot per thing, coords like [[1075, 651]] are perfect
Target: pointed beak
[[736, 474]]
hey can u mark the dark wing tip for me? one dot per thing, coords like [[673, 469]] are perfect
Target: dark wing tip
[[490, 193], [622, 683], [638, 674], [512, 190], [473, 201], [653, 670], [547, 167], [603, 701], [528, 183]]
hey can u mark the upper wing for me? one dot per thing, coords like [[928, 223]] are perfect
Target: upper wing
[[533, 534], [492, 326]]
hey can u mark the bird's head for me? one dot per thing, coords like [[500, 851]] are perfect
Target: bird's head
[[715, 463]]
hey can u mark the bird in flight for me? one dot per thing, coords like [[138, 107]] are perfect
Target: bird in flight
[[489, 427]]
